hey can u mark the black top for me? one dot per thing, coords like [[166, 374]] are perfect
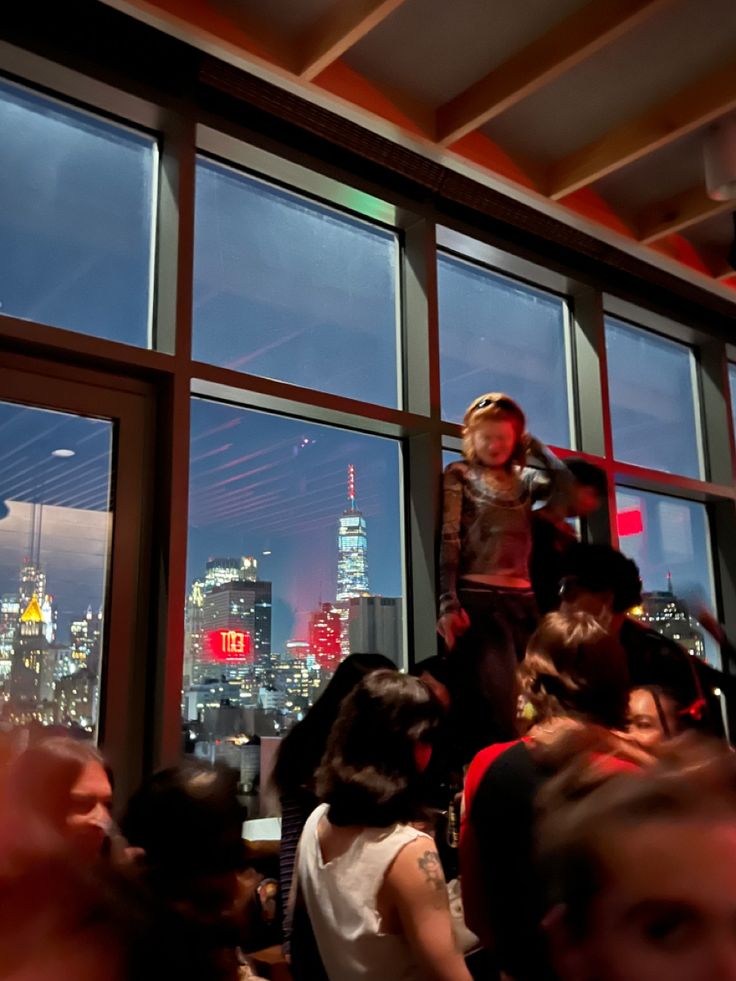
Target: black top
[[548, 565], [502, 814]]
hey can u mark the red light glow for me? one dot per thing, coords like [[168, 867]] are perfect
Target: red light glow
[[229, 645], [629, 523]]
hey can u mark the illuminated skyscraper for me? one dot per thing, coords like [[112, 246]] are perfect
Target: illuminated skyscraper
[[236, 629], [325, 631], [30, 643], [352, 549], [221, 571], [666, 613]]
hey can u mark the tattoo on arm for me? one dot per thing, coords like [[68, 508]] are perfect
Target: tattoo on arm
[[429, 863]]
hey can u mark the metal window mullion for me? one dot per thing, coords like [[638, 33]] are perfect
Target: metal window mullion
[[592, 401], [173, 334], [720, 468], [423, 450]]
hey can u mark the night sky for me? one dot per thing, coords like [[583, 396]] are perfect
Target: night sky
[[296, 291]]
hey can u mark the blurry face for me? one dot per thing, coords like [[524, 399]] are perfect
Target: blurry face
[[494, 441], [644, 722], [586, 502], [668, 911], [89, 813]]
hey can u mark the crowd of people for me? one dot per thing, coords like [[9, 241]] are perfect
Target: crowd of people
[[548, 797]]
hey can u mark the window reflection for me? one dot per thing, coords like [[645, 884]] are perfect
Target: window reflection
[[669, 540], [293, 290], [653, 405], [294, 561], [499, 335], [55, 525], [77, 203]]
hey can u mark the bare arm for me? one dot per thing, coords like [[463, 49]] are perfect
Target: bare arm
[[415, 885]]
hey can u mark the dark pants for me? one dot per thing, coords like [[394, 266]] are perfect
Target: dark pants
[[484, 660]]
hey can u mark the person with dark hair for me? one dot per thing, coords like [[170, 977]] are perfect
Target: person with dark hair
[[371, 881], [553, 536], [641, 871], [64, 784], [654, 715], [574, 686], [442, 780], [605, 583], [487, 608], [184, 827], [299, 757]]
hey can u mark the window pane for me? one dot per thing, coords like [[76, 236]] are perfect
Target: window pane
[[652, 396], [497, 335], [732, 380], [76, 219], [669, 540], [288, 570], [55, 524], [293, 290]]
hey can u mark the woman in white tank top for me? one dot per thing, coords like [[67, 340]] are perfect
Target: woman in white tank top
[[371, 881]]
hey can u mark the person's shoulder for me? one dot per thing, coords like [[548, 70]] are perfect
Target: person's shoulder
[[485, 762]]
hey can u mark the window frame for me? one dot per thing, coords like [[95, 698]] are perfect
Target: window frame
[[185, 128]]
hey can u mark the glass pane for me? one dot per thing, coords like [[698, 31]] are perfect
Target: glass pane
[[294, 560], [76, 219], [497, 335], [652, 396], [732, 380], [292, 290], [55, 524], [669, 540]]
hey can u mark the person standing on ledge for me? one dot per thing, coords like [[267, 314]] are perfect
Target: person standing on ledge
[[487, 607]]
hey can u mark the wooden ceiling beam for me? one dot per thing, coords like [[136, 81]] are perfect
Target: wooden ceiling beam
[[694, 106], [567, 44], [676, 213], [337, 30]]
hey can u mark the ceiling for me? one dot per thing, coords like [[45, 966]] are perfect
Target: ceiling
[[594, 112]]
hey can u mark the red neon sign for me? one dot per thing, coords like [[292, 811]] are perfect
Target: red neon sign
[[229, 645], [629, 523]]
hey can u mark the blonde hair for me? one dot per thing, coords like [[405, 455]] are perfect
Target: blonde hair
[[494, 407]]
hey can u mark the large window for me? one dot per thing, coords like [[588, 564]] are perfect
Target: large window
[[498, 335], [669, 539], [77, 207], [55, 523], [312, 484], [293, 290], [654, 409], [295, 560]]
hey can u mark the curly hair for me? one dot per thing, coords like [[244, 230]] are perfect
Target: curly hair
[[496, 407], [369, 775], [573, 668]]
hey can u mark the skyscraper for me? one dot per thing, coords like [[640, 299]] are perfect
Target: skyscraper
[[29, 645], [352, 549], [236, 629], [325, 631], [374, 625], [666, 613]]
